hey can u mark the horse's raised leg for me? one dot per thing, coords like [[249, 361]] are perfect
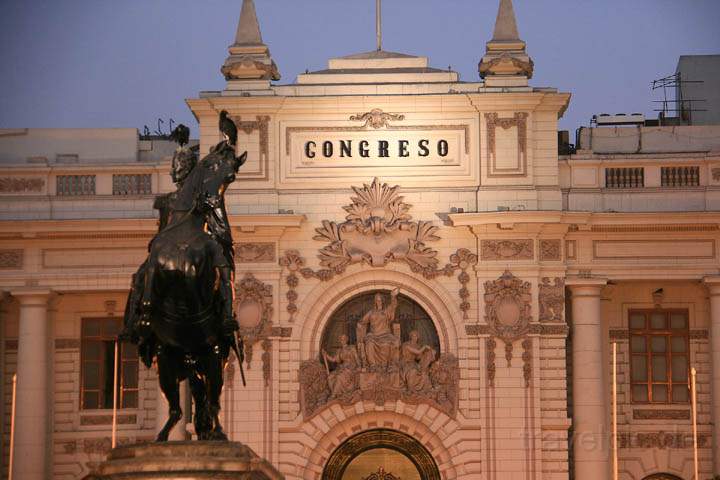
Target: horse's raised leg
[[169, 375], [201, 415]]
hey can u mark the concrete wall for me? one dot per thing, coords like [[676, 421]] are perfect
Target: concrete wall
[[704, 68]]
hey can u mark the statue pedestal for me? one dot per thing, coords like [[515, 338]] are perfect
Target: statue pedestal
[[186, 461]]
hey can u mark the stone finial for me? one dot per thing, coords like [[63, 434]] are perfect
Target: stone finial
[[249, 57], [505, 62]]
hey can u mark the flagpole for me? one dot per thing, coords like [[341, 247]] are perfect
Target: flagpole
[[12, 427], [378, 23], [115, 395], [693, 372], [614, 412]]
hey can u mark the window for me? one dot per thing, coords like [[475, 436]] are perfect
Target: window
[[659, 348], [97, 355]]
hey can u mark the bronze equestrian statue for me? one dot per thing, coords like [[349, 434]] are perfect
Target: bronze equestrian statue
[[180, 308]]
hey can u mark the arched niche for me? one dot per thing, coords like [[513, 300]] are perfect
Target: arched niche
[[409, 315], [365, 454]]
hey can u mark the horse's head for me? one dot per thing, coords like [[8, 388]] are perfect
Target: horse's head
[[220, 171]]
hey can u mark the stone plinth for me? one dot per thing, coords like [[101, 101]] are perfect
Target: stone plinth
[[185, 460]]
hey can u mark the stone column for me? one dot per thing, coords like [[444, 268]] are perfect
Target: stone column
[[32, 410], [713, 286], [590, 422]]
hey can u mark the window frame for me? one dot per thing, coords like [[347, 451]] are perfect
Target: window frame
[[122, 365], [668, 333]]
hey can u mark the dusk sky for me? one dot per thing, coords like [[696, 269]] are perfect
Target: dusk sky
[[102, 63]]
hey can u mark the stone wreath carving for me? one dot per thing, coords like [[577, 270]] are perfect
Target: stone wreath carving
[[253, 307], [376, 118], [508, 312], [551, 297]]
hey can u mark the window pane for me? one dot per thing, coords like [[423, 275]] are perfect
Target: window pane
[[678, 344], [659, 393], [637, 344], [130, 374], [658, 344], [91, 375], [679, 369], [130, 399], [91, 327], [639, 368], [109, 363], [659, 368], [637, 321], [640, 393], [658, 321], [678, 321], [111, 327], [90, 400], [680, 393], [91, 349], [129, 351]]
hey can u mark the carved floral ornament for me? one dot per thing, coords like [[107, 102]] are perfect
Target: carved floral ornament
[[376, 118], [377, 230]]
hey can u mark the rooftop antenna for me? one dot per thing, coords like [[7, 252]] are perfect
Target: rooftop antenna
[[684, 107], [378, 23]]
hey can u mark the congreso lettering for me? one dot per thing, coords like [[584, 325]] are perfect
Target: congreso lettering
[[376, 149]]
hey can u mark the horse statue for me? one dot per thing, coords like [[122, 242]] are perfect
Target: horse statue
[[180, 308]]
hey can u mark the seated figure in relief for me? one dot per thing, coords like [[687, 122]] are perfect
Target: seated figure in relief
[[415, 363], [377, 344], [343, 380]]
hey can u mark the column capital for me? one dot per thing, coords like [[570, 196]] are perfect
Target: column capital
[[713, 285], [589, 286], [32, 295]]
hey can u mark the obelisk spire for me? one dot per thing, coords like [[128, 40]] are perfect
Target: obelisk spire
[[248, 31], [506, 62], [249, 58], [505, 24]]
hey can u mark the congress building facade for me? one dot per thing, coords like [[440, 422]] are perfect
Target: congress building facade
[[427, 289]]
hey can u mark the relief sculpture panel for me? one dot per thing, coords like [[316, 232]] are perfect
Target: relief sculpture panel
[[380, 349]]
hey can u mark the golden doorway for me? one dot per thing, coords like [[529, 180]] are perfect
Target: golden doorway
[[381, 454]]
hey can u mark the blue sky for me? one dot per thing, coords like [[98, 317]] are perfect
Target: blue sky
[[85, 63]]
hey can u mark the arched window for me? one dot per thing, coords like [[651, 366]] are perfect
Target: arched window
[[381, 453], [662, 476]]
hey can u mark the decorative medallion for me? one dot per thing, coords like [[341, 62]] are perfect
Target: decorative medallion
[[490, 345], [550, 250], [21, 185], [507, 249], [293, 262], [464, 259], [551, 297], [507, 309], [253, 308], [257, 252], [376, 118], [527, 361], [11, 259]]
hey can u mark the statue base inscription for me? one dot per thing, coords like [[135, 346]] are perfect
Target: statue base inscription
[[185, 460]]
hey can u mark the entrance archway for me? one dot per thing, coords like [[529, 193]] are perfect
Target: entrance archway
[[365, 454], [662, 476]]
